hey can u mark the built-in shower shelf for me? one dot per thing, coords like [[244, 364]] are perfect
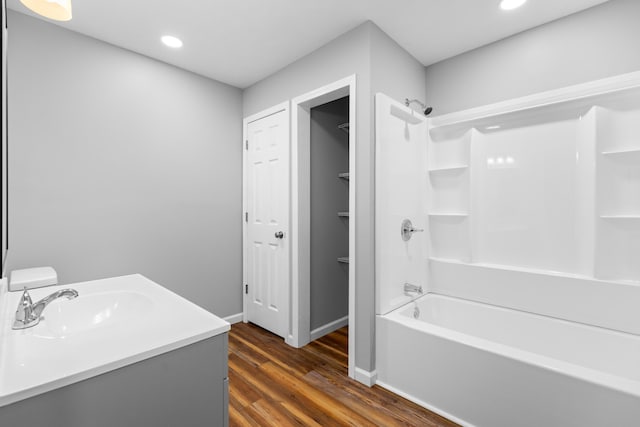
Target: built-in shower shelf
[[632, 155], [343, 260], [620, 152], [447, 260], [343, 214], [344, 127], [448, 169], [623, 217], [344, 175], [449, 214]]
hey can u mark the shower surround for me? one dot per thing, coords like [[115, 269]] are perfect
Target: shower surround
[[529, 259]]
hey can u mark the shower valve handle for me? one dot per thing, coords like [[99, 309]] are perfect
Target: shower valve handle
[[408, 229]]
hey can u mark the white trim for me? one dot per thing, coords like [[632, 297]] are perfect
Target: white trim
[[245, 188], [560, 96], [424, 404], [283, 106], [329, 327], [234, 318], [300, 333], [352, 226], [5, 266], [366, 377], [299, 330]]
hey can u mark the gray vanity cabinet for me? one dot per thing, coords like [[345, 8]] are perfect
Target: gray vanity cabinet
[[186, 387]]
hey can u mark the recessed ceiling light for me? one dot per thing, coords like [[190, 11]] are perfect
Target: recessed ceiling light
[[511, 4], [172, 41]]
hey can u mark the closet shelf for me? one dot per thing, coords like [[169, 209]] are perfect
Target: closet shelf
[[344, 259], [343, 214], [344, 175], [448, 169], [344, 127]]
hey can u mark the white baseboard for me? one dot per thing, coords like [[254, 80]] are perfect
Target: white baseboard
[[329, 327], [234, 318], [366, 377]]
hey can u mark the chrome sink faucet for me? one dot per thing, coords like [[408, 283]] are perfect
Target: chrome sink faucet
[[28, 313]]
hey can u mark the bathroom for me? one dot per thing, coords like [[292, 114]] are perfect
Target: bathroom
[[120, 163]]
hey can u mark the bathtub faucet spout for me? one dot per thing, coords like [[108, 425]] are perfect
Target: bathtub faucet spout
[[412, 290]]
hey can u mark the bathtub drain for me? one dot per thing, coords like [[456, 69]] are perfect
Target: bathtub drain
[[416, 312]]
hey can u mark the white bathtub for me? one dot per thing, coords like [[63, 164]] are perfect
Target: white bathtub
[[486, 366]]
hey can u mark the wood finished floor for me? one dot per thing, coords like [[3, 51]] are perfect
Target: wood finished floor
[[272, 384]]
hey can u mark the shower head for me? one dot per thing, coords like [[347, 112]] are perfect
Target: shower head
[[425, 110]]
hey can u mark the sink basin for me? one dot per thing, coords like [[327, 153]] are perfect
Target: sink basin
[[112, 323], [64, 318]]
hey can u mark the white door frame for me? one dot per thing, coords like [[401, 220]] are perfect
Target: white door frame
[[284, 106], [300, 330]]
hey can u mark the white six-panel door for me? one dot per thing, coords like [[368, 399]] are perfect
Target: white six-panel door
[[268, 200]]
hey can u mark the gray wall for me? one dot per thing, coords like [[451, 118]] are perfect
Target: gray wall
[[348, 54], [380, 65], [329, 195], [394, 71], [593, 44], [122, 164]]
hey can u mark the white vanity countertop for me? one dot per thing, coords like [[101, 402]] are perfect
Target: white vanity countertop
[[113, 323]]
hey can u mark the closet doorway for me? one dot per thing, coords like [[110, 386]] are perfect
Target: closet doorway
[[329, 218], [319, 258], [277, 217]]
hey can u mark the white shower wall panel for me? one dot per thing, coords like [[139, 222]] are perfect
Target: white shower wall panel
[[526, 186], [554, 219], [401, 184]]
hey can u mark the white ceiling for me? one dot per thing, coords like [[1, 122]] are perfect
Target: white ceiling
[[240, 42]]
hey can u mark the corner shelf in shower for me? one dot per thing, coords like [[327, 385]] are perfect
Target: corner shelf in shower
[[448, 169], [449, 193], [343, 260], [449, 214], [343, 214], [632, 154], [344, 175], [344, 127]]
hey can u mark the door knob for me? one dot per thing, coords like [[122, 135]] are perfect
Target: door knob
[[279, 235]]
